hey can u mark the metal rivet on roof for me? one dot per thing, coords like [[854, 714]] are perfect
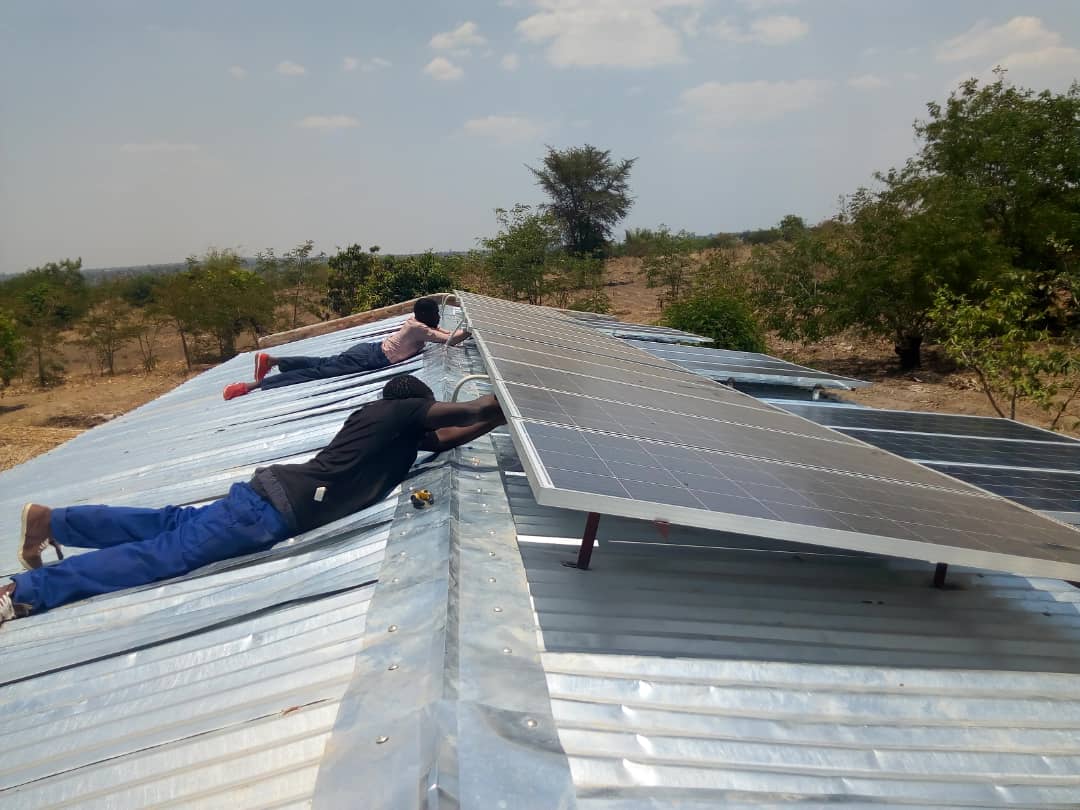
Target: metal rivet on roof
[[507, 651], [392, 667], [392, 628], [530, 722], [497, 609], [382, 739], [491, 579], [396, 579], [491, 553]]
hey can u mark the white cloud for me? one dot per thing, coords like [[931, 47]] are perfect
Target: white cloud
[[1051, 57], [728, 104], [775, 30], [443, 69], [237, 72], [761, 5], [867, 81], [691, 24], [607, 33], [503, 128], [351, 63], [510, 62], [288, 68], [982, 40], [459, 40], [328, 122], [158, 147], [633, 90]]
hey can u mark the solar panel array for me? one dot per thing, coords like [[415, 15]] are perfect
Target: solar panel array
[[602, 426], [622, 329], [1026, 464], [746, 367]]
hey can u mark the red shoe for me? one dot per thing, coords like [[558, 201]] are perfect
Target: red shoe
[[262, 366], [235, 390]]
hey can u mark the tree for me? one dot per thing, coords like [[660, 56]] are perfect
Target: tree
[[177, 301], [518, 255], [400, 278], [49, 299], [230, 299], [668, 263], [998, 338], [106, 327], [296, 267], [589, 193], [1018, 148], [11, 349], [349, 269], [720, 316]]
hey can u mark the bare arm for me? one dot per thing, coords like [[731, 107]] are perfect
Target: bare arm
[[450, 437], [463, 414]]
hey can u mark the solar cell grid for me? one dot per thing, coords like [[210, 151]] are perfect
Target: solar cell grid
[[653, 475], [973, 450], [638, 459], [951, 424]]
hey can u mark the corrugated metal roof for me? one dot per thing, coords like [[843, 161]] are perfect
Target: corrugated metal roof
[[217, 689], [685, 669], [693, 669]]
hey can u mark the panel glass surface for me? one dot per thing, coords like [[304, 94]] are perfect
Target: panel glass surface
[[951, 424], [620, 442], [647, 472], [974, 450], [1048, 492]]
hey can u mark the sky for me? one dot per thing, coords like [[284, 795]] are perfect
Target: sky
[[140, 131]]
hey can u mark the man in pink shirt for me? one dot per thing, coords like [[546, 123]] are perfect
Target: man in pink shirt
[[409, 340]]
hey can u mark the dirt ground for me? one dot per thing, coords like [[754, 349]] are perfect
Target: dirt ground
[[33, 421]]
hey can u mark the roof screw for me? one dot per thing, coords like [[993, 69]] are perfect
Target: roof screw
[[492, 532], [491, 579], [491, 553], [381, 739], [392, 667], [497, 609], [396, 579], [530, 722], [392, 628], [507, 651]]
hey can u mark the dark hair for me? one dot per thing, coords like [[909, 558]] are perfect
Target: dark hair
[[426, 310], [406, 387]]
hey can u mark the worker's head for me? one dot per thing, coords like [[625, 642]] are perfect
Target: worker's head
[[426, 310], [406, 387]]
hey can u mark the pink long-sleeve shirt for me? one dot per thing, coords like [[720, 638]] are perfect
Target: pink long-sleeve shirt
[[411, 337]]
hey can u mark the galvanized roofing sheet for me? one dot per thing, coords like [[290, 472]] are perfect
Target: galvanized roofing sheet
[[686, 669], [216, 689]]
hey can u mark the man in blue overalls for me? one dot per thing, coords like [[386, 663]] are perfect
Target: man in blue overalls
[[369, 456]]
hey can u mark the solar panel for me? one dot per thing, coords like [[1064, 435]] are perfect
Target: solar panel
[[1026, 464], [602, 427], [622, 329], [746, 367], [916, 422]]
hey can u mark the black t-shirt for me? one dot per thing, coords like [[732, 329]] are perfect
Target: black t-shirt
[[369, 456]]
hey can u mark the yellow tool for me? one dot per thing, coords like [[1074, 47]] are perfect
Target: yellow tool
[[421, 498]]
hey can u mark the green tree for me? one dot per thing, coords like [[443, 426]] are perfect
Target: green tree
[[719, 315], [11, 349], [668, 263], [230, 297], [298, 268], [400, 278], [518, 255], [590, 193], [1000, 339], [106, 327], [1018, 148], [48, 300], [349, 269], [178, 303]]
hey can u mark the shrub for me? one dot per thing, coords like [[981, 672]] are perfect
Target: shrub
[[717, 315]]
